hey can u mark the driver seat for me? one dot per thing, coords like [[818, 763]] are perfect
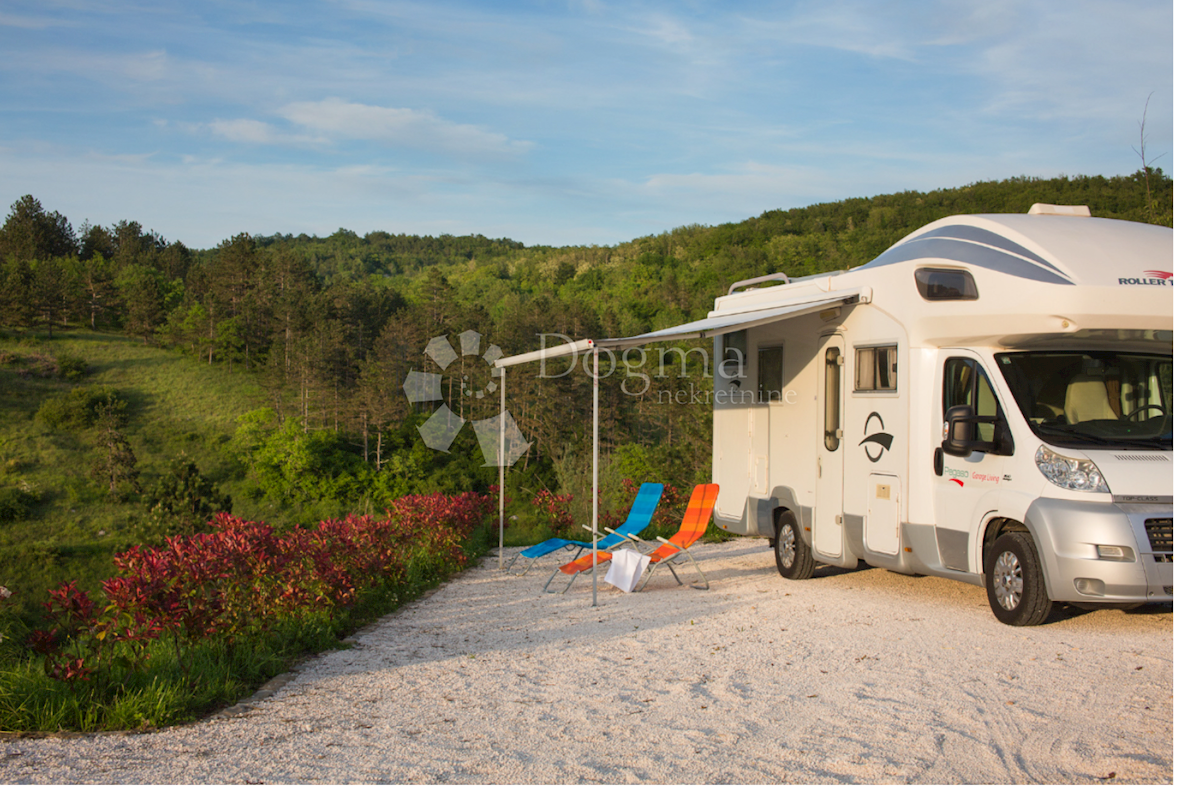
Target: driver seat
[[1087, 399]]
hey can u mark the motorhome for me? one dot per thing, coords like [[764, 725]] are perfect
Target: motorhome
[[989, 400]]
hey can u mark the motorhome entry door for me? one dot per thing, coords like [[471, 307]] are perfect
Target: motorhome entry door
[[831, 449]]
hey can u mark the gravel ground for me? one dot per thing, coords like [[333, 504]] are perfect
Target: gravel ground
[[851, 677]]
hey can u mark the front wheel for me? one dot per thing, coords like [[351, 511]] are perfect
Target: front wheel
[[793, 558], [1015, 586]]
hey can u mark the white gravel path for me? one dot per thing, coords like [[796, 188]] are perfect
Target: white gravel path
[[852, 677]]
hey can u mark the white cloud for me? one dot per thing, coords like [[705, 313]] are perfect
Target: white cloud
[[245, 130], [400, 127], [252, 131]]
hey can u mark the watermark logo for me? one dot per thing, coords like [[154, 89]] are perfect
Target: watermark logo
[[442, 428], [639, 372]]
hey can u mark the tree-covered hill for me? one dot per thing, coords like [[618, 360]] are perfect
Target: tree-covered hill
[[306, 342], [330, 326], [687, 266]]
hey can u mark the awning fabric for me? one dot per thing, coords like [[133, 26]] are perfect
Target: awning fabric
[[714, 324]]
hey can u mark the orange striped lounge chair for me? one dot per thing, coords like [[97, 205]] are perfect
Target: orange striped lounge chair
[[671, 551]]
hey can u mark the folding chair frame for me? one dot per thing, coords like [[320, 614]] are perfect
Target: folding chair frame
[[529, 562], [601, 557], [679, 551]]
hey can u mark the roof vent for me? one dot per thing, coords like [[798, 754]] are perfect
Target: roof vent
[[1043, 209]]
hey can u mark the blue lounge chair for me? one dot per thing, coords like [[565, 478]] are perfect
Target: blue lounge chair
[[640, 514]]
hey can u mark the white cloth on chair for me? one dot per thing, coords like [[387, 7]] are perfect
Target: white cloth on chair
[[627, 568]]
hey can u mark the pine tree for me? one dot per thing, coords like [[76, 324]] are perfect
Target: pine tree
[[116, 466]]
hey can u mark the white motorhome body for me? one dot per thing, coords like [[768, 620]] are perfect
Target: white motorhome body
[[989, 400]]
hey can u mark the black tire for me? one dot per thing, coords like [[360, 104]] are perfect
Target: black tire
[[793, 558], [1015, 586]]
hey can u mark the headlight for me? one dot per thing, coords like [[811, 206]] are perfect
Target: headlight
[[1078, 475]]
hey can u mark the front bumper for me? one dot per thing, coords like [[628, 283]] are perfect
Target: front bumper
[[1070, 533]]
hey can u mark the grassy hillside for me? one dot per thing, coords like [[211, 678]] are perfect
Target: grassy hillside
[[174, 406]]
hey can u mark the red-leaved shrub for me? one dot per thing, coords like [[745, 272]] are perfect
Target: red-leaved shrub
[[247, 577]]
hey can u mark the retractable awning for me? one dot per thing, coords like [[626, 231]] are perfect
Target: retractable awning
[[733, 320], [715, 323]]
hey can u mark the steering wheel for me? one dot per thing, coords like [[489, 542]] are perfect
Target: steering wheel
[[1144, 408]]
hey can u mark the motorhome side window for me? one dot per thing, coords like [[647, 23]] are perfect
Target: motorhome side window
[[946, 284], [733, 358], [967, 385], [875, 368], [770, 374]]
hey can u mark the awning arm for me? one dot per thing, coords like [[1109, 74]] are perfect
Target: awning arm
[[563, 350]]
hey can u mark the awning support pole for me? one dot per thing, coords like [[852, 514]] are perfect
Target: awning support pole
[[595, 465], [503, 465]]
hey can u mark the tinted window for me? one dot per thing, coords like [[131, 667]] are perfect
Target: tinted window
[[770, 374], [944, 284], [733, 365]]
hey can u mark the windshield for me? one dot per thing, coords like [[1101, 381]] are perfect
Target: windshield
[[1089, 399]]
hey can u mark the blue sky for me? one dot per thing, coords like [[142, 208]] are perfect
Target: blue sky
[[562, 123]]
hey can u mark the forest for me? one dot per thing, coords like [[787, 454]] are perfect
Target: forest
[[271, 369]]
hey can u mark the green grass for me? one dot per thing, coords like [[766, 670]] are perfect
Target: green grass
[[158, 695]]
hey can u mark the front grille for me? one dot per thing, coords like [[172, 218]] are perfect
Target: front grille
[[1159, 531]]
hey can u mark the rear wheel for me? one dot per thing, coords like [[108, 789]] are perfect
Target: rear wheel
[[1016, 589], [793, 558]]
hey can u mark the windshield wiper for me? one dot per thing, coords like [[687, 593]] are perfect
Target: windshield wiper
[[1108, 442], [1073, 432]]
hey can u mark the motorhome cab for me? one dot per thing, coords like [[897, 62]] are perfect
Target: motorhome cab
[[989, 400]]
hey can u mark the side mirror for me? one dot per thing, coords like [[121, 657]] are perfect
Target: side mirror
[[961, 427], [958, 431]]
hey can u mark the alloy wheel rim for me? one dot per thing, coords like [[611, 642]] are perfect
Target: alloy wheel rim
[[787, 545], [1007, 583]]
